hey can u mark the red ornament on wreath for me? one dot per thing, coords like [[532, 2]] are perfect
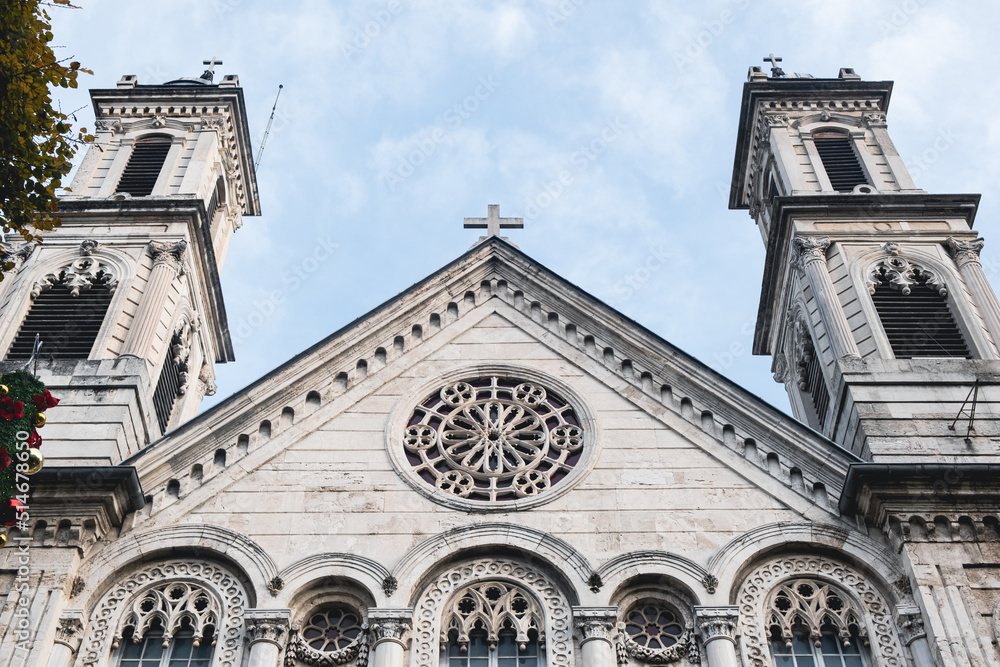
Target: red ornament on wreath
[[11, 409], [9, 512]]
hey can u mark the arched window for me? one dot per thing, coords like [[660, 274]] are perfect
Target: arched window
[[492, 625], [840, 160], [812, 624], [912, 305], [170, 625], [144, 165], [67, 310], [331, 635]]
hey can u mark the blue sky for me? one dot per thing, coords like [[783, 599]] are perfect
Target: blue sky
[[398, 119]]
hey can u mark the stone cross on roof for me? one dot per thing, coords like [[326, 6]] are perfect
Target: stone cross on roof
[[774, 60], [493, 223], [210, 72]]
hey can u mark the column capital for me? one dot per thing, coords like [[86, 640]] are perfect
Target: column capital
[[596, 623], [717, 623], [267, 625], [69, 632], [807, 249], [964, 251], [389, 625], [168, 252], [910, 622]]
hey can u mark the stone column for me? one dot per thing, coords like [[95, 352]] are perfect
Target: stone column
[[810, 257], [68, 637], [267, 631], [966, 255], [166, 266], [912, 634], [597, 631], [717, 627], [389, 629]]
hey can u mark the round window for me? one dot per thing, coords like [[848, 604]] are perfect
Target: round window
[[493, 439]]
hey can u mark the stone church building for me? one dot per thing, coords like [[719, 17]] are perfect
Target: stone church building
[[494, 468]]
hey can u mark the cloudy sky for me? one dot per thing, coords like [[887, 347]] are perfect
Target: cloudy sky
[[399, 118]]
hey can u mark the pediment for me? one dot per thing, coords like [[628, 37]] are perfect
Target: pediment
[[495, 307]]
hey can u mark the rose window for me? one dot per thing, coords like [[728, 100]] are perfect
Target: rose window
[[493, 439], [332, 629], [653, 627]]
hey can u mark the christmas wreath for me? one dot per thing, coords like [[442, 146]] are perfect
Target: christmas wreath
[[23, 401]]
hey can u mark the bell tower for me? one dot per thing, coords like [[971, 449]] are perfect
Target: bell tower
[[874, 306], [125, 294]]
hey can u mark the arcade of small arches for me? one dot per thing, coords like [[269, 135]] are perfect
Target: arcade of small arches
[[505, 610]]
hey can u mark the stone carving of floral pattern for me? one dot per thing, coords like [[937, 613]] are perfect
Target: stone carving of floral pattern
[[757, 590], [180, 352], [169, 605], [80, 274], [493, 439], [554, 606], [965, 251], [902, 275], [655, 635], [813, 603], [16, 256], [332, 636], [494, 606], [109, 616]]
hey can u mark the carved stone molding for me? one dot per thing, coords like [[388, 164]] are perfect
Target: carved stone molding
[[112, 125], [776, 119], [275, 585], [69, 632], [170, 605], [169, 253], [206, 378], [710, 581], [717, 622], [389, 585], [965, 251], [16, 256], [596, 623], [875, 119], [267, 625], [780, 370], [901, 275], [448, 582], [389, 625], [80, 274], [761, 581], [807, 249], [88, 246], [323, 650], [109, 615], [911, 623]]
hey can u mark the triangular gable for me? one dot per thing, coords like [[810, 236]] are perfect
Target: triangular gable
[[671, 385]]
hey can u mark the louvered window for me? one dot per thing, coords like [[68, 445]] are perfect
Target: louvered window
[[918, 324], [840, 161], [811, 382], [67, 325], [168, 388], [144, 166]]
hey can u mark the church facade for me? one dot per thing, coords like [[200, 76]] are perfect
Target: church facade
[[494, 468]]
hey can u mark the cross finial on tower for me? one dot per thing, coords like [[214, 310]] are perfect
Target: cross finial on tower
[[210, 72], [774, 60], [493, 223]]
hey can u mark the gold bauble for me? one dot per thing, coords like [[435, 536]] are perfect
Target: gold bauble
[[40, 419], [3, 541], [35, 461], [4, 390]]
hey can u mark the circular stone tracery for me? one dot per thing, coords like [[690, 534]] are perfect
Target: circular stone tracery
[[332, 629], [493, 439], [653, 627]]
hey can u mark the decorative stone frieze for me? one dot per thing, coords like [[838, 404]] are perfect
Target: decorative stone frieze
[[80, 274]]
